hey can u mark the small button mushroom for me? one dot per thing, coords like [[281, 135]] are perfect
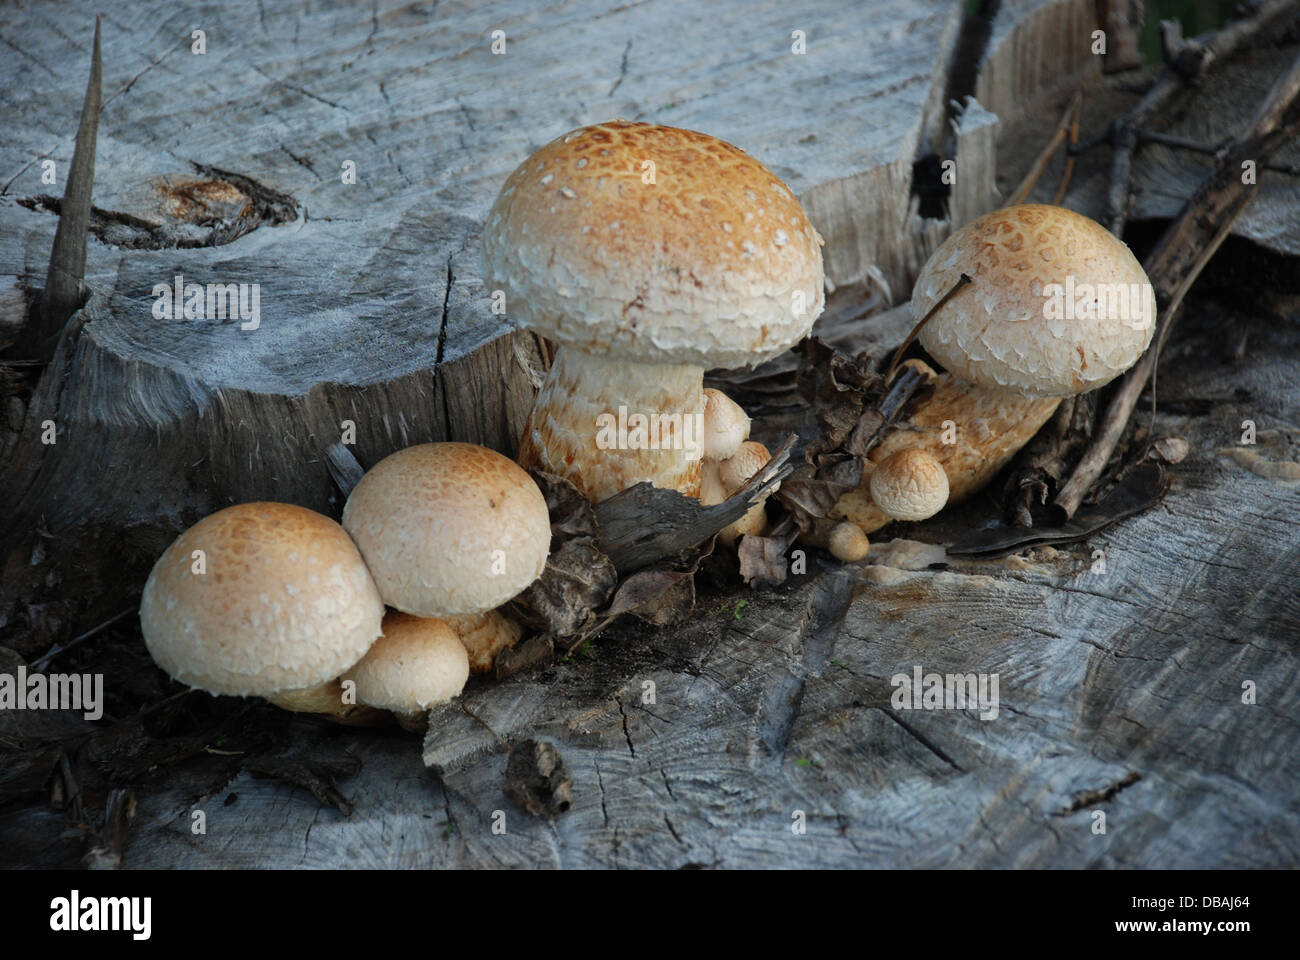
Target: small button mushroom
[[644, 286], [418, 663], [726, 425], [848, 543], [733, 474], [910, 485], [750, 457], [449, 529], [484, 636], [258, 599]]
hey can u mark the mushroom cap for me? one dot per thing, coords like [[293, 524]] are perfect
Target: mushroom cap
[[847, 542], [750, 458], [417, 663], [726, 425], [449, 528], [909, 485], [1011, 328], [484, 635], [714, 263], [284, 602]]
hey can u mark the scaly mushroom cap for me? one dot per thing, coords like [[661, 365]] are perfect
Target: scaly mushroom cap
[[284, 602], [449, 528], [726, 425], [710, 262], [910, 485], [417, 663], [484, 635], [1011, 328]]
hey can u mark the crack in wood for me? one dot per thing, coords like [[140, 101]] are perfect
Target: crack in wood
[[1088, 798], [828, 602]]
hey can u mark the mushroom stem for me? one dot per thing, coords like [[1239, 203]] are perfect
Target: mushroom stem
[[607, 424], [988, 427]]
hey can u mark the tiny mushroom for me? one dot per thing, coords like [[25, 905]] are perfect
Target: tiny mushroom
[[449, 529], [418, 663], [260, 599], [909, 485], [1056, 306], [848, 543], [732, 474], [649, 253], [726, 425]]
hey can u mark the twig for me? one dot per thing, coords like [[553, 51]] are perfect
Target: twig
[[1182, 143], [1069, 154], [470, 713], [63, 282], [1192, 60], [119, 811], [898, 354], [41, 662], [1045, 155], [1182, 253]]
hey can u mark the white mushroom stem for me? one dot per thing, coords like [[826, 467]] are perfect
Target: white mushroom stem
[[972, 431], [607, 424]]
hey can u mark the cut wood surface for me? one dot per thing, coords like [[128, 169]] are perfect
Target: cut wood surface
[[227, 166], [1122, 659]]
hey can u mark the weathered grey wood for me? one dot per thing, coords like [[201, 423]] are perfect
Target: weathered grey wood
[[372, 306], [777, 701], [1163, 178], [773, 706]]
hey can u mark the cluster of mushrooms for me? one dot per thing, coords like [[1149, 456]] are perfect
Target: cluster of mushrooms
[[643, 283], [278, 601]]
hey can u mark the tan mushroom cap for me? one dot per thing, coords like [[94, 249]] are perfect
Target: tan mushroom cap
[[1009, 328], [417, 663], [284, 602], [449, 528], [484, 635], [909, 485], [732, 474], [748, 459], [726, 425], [714, 263], [848, 543]]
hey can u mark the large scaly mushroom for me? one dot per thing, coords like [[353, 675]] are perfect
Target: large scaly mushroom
[[649, 253]]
